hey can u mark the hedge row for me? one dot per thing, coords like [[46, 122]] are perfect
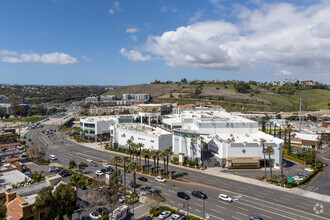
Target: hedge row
[[293, 157], [310, 176]]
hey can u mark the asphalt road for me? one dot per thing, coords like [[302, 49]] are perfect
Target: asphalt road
[[249, 199]]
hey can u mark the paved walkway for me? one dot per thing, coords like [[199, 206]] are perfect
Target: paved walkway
[[217, 171]]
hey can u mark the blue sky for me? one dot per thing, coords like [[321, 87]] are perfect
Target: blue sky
[[106, 42]]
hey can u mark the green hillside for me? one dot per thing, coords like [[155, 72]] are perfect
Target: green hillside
[[236, 96]]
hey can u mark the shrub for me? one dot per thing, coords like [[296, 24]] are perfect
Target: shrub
[[175, 160], [131, 201]]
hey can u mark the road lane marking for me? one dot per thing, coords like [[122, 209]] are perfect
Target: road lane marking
[[215, 211], [236, 218], [198, 204], [215, 217], [221, 207], [241, 214], [243, 208], [197, 210]]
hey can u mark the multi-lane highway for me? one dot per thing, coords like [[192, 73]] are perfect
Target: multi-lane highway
[[249, 199]]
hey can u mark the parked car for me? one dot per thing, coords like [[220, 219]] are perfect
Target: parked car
[[65, 173], [110, 169], [61, 172], [183, 195], [160, 179], [143, 179], [93, 164], [254, 217], [309, 169], [297, 178], [98, 172], [52, 169], [90, 160], [199, 194], [164, 214], [23, 155], [123, 198], [131, 184], [225, 198], [106, 165], [103, 170], [302, 174], [52, 157], [95, 215], [178, 217]]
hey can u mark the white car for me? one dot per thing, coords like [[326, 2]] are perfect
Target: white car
[[309, 169], [95, 215], [225, 198], [52, 157], [164, 214], [178, 217], [106, 165], [98, 172], [123, 198], [89, 160], [297, 178], [160, 179]]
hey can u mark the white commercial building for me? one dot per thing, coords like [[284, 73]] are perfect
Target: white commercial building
[[153, 138], [231, 139]]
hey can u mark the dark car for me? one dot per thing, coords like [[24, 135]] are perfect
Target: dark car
[[183, 195], [143, 179], [199, 194], [86, 217], [60, 172], [65, 173], [93, 164], [109, 169], [29, 140], [103, 170], [254, 217]]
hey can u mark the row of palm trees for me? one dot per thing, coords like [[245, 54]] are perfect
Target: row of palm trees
[[269, 150]]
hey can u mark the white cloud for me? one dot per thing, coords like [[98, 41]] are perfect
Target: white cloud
[[134, 55], [133, 37], [47, 58], [283, 72], [8, 53], [115, 7], [279, 34], [87, 59], [196, 17], [165, 9], [132, 30]]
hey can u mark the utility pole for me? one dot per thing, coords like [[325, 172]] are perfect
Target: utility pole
[[299, 114]]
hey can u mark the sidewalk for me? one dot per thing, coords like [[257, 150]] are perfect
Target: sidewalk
[[217, 171]]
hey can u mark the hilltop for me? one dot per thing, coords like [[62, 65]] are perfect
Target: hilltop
[[237, 95]]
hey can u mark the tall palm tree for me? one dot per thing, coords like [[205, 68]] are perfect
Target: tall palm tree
[[168, 152], [157, 158], [116, 160], [162, 155], [140, 145], [263, 141], [133, 167], [269, 150], [129, 143], [144, 153], [133, 148], [153, 155], [125, 161]]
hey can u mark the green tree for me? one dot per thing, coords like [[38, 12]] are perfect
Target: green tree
[[3, 211], [145, 155], [153, 155], [157, 152], [78, 180], [270, 150], [263, 125], [263, 141], [116, 160], [129, 143], [140, 146], [162, 155], [114, 179], [65, 198], [133, 167], [37, 177], [72, 164], [125, 162], [45, 202]]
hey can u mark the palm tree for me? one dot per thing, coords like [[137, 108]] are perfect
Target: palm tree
[[144, 153], [202, 142], [140, 145], [157, 157], [37, 177], [125, 161], [78, 180], [163, 156], [153, 156], [269, 150], [133, 167], [134, 148], [168, 152], [263, 141], [129, 143], [116, 160]]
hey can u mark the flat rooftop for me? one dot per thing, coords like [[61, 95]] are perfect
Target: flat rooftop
[[143, 128], [7, 178]]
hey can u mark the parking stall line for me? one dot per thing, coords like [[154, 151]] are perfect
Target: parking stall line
[[221, 207], [215, 217], [236, 218], [198, 204], [216, 211], [241, 214], [243, 208]]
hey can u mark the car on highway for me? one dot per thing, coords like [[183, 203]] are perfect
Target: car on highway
[[93, 164], [164, 214], [178, 217], [95, 215], [160, 179], [90, 160], [52, 157], [309, 169], [52, 169], [123, 198], [255, 217], [199, 194], [183, 195], [226, 198], [143, 179], [98, 172]]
